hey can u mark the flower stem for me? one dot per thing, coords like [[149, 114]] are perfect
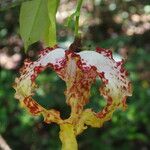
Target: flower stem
[[67, 137], [79, 4]]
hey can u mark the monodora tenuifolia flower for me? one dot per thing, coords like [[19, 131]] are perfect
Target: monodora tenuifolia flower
[[79, 70]]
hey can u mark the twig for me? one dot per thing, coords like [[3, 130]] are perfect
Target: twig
[[76, 46], [3, 144]]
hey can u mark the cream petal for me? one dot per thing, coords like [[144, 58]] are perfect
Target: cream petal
[[78, 70], [24, 85], [116, 84]]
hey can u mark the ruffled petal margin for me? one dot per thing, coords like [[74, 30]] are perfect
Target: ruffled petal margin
[[79, 71]]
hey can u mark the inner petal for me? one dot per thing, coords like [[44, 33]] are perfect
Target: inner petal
[[116, 85]]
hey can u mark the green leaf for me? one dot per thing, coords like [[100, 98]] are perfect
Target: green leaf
[[50, 36], [34, 21], [70, 21], [38, 21]]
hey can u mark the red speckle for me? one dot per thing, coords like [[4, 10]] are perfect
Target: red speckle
[[74, 55], [105, 81], [79, 64], [33, 107], [46, 50], [119, 63], [126, 73], [94, 68], [109, 101], [101, 74], [105, 52], [56, 67], [100, 115], [123, 76], [124, 88], [122, 70], [63, 63], [50, 65], [33, 77], [100, 50], [124, 102], [38, 69], [67, 53]]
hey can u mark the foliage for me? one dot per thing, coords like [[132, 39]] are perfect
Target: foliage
[[38, 23], [127, 130]]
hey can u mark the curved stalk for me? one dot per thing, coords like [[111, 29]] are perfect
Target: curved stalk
[[79, 4], [67, 137]]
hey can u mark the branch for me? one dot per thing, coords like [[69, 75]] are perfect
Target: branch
[[3, 144], [6, 4]]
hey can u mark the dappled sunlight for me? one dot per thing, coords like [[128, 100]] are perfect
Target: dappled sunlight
[[9, 62]]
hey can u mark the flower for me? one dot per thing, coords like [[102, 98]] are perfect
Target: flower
[[79, 71]]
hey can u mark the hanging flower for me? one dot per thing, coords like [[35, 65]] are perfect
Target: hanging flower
[[79, 71]]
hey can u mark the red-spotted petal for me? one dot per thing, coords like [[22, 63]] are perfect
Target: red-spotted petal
[[24, 85], [116, 86], [78, 70]]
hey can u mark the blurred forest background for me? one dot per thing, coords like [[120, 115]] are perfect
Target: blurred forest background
[[120, 25]]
